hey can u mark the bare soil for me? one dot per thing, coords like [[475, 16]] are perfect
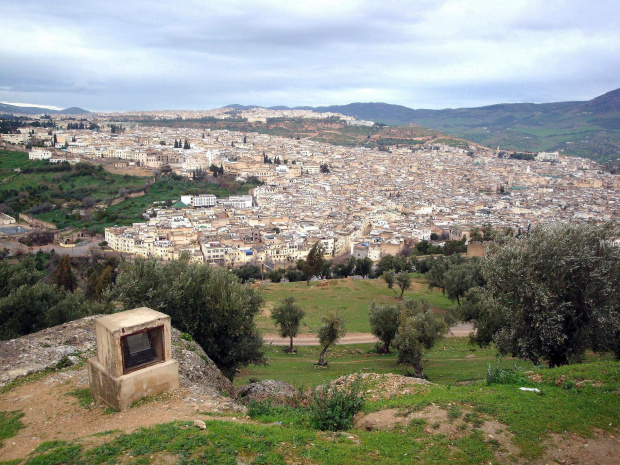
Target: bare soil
[[52, 413], [306, 339], [602, 449]]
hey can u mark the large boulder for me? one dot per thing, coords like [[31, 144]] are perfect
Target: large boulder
[[277, 392]]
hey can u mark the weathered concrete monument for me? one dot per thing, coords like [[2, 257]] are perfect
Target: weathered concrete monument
[[134, 358]]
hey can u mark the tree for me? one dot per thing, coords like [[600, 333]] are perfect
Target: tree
[[480, 308], [23, 311], [63, 274], [403, 280], [329, 333], [384, 323], [248, 272], [363, 267], [288, 317], [418, 331], [314, 261], [275, 276], [387, 262], [208, 303], [389, 277], [186, 145], [459, 279], [454, 247], [558, 291]]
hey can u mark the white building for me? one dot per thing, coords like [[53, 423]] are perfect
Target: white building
[[39, 154], [547, 156], [202, 200]]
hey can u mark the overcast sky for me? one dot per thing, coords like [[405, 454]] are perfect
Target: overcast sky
[[147, 55]]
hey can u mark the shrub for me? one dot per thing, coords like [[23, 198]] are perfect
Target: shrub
[[500, 375], [332, 408]]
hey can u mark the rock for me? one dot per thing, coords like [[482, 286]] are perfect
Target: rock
[[200, 424], [560, 381], [65, 351], [197, 369], [38, 351], [277, 392], [536, 377]]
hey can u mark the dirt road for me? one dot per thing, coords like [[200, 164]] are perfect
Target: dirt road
[[461, 330]]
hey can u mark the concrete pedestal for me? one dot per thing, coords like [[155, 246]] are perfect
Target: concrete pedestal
[[121, 391]]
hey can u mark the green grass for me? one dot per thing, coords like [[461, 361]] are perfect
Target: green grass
[[279, 435], [83, 395], [529, 416], [350, 297], [453, 360], [10, 424], [232, 443], [587, 401]]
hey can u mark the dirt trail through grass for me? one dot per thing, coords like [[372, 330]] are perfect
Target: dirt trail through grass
[[461, 330]]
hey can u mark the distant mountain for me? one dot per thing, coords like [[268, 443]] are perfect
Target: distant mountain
[[73, 111], [590, 129], [17, 109]]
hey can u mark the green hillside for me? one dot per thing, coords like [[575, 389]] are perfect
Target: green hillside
[[588, 129]]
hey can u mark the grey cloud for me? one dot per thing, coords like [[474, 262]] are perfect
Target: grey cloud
[[199, 54]]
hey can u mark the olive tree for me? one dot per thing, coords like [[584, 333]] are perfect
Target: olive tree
[[558, 291], [288, 316], [384, 323], [314, 261], [403, 280], [460, 278], [418, 331], [330, 331], [208, 303], [389, 277]]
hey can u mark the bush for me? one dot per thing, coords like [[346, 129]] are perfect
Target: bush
[[499, 375], [332, 408], [209, 304]]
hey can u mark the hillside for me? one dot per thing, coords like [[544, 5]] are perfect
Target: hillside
[[47, 416], [589, 129], [34, 110]]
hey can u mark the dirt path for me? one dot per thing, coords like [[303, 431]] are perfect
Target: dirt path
[[52, 413], [461, 330]]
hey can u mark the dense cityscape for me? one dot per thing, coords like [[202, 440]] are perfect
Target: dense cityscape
[[355, 200]]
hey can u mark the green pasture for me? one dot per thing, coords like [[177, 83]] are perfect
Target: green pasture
[[351, 298], [452, 360]]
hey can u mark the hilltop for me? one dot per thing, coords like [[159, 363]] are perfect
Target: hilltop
[[34, 110]]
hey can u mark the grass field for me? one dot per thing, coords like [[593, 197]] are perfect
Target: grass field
[[453, 360], [448, 424], [351, 298], [101, 186], [130, 210]]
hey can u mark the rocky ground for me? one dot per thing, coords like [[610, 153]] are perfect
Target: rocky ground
[[52, 406]]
